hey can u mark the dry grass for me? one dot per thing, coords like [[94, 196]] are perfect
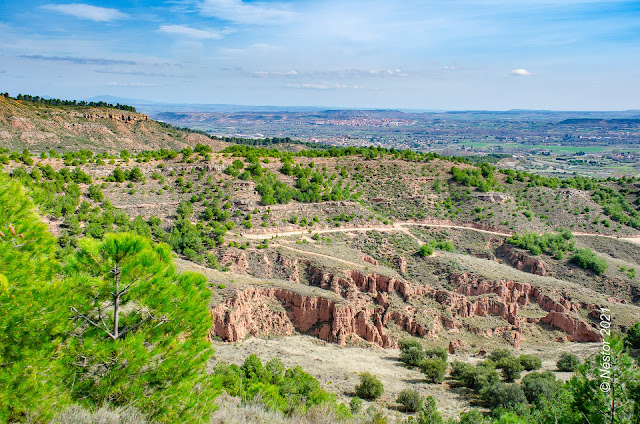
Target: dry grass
[[232, 411], [76, 414]]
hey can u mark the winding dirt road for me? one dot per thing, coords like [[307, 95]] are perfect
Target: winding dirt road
[[402, 227]]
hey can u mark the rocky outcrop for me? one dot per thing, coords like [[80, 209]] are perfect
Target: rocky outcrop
[[262, 311], [401, 263], [369, 259], [455, 345], [257, 311], [364, 314], [492, 197], [363, 309], [576, 329], [116, 115], [523, 262], [514, 294], [236, 261]]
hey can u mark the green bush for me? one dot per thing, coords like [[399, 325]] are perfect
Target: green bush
[[252, 368], [445, 245], [95, 193], [568, 362], [538, 384], [405, 344], [428, 414], [473, 417], [510, 367], [484, 375], [586, 259], [278, 389], [274, 370], [412, 356], [530, 362], [434, 369], [463, 373], [437, 352], [499, 354], [501, 395], [370, 387], [552, 243], [425, 250], [355, 405], [410, 399], [632, 338]]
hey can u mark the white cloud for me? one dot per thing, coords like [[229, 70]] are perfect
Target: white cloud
[[333, 74], [520, 72], [321, 85], [130, 84], [186, 31], [246, 13], [268, 74], [258, 49], [86, 11], [389, 73]]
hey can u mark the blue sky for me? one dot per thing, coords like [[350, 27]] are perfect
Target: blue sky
[[431, 54]]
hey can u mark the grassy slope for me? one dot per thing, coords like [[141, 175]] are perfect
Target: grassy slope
[[40, 127]]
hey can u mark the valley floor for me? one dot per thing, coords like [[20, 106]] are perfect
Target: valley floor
[[337, 368]]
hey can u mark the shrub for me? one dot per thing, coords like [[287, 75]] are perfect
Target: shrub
[[434, 369], [537, 384], [586, 259], [355, 405], [136, 175], [230, 377], [484, 375], [501, 395], [410, 399], [425, 250], [552, 243], [530, 362], [274, 371], [445, 245], [632, 339], [253, 368], [412, 356], [473, 417], [463, 373], [370, 387], [510, 367], [437, 352], [428, 414], [568, 362], [500, 354], [405, 344]]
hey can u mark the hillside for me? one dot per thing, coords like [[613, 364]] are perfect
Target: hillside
[[330, 259], [39, 127]]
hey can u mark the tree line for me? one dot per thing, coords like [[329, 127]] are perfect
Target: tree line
[[59, 102]]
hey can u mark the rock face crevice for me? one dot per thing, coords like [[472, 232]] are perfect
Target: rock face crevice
[[364, 309], [521, 261], [559, 310]]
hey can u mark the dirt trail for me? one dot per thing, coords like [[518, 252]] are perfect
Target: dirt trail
[[398, 226], [306, 252], [631, 239], [402, 227]]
